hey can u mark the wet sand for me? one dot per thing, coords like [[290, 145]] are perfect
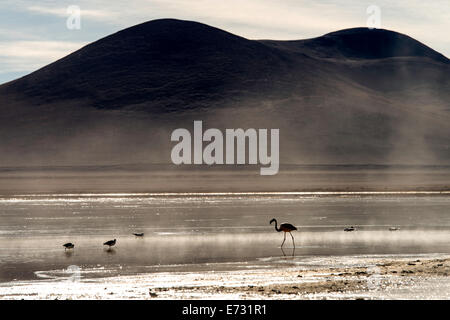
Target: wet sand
[[368, 278], [331, 283], [356, 280]]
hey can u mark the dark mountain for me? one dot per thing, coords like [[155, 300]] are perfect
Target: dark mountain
[[169, 65], [351, 96], [364, 43]]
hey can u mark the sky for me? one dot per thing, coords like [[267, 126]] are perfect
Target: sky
[[34, 33]]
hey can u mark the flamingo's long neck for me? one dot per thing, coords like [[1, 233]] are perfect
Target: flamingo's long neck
[[276, 226]]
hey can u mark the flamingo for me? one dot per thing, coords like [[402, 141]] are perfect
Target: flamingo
[[285, 227]]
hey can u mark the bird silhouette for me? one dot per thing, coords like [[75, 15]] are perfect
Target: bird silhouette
[[285, 227], [68, 245], [110, 243], [139, 234], [352, 228]]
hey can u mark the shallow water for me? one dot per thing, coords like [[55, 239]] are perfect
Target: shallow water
[[189, 232]]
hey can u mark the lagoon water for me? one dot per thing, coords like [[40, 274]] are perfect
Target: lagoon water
[[211, 232]]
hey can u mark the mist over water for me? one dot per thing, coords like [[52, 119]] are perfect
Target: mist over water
[[185, 232]]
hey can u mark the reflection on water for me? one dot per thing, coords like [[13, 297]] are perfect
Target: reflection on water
[[110, 251], [185, 232], [284, 253], [68, 254]]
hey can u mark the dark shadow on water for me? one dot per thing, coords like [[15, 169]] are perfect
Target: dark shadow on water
[[68, 253], [110, 251]]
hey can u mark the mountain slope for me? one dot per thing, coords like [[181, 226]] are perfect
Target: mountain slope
[[364, 43], [351, 96], [159, 60]]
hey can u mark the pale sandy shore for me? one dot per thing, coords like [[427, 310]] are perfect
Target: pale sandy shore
[[366, 278]]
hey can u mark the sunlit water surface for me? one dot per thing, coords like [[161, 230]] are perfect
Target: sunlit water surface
[[194, 232]]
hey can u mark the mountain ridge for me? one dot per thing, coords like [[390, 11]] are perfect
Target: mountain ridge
[[170, 43], [360, 99]]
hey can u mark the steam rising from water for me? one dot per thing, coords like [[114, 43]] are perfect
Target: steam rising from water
[[194, 230]]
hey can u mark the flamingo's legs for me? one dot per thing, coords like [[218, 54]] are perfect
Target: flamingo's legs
[[293, 242], [283, 240]]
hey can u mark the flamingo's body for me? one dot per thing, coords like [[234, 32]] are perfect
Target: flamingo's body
[[285, 227], [68, 245], [110, 243]]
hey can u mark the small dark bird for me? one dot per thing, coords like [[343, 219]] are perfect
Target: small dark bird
[[68, 245], [139, 234], [110, 243], [394, 229], [285, 227], [352, 228]]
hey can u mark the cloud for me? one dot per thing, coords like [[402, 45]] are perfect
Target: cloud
[[28, 55], [250, 18], [62, 12], [264, 18], [256, 19], [37, 49]]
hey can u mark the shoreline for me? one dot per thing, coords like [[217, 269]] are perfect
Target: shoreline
[[318, 193], [369, 278], [174, 179]]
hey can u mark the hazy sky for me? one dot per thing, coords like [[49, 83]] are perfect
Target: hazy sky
[[33, 33]]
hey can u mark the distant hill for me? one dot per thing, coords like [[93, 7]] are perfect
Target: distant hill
[[351, 96]]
